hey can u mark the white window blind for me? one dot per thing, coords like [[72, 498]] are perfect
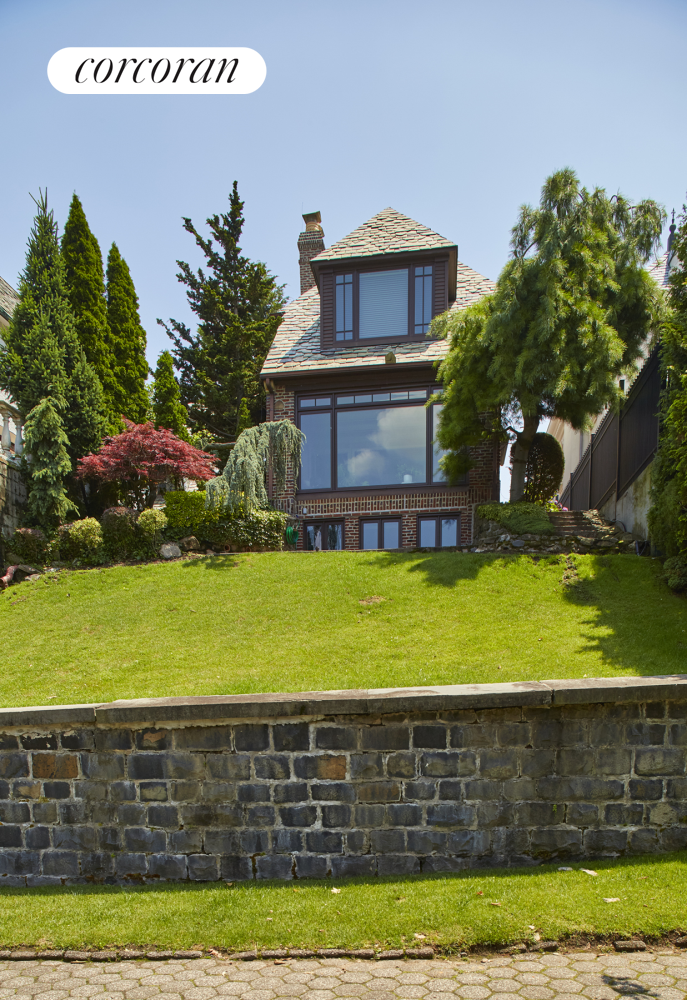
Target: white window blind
[[383, 304]]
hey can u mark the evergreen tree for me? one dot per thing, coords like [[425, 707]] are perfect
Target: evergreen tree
[[570, 312], [238, 305], [46, 442], [86, 288], [42, 356], [128, 339], [167, 407]]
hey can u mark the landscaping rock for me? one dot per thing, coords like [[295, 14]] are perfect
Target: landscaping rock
[[170, 551], [681, 942], [633, 945], [190, 544]]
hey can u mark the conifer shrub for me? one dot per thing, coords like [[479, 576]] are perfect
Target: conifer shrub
[[675, 570], [518, 518], [151, 525], [186, 513], [81, 541], [544, 469], [31, 546], [120, 538]]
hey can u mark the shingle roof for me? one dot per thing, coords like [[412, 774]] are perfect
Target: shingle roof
[[386, 232], [660, 268], [296, 347], [8, 299]]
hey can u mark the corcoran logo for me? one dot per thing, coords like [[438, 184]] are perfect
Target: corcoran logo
[[157, 71]]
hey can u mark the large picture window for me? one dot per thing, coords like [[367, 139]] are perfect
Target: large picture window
[[383, 305], [369, 439]]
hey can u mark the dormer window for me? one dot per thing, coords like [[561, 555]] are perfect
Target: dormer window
[[383, 304]]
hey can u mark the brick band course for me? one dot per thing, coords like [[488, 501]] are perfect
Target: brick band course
[[342, 783]]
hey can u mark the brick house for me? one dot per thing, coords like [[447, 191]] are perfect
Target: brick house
[[352, 365]]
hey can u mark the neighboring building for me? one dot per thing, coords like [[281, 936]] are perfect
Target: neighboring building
[[12, 489], [11, 426], [352, 365], [609, 466]]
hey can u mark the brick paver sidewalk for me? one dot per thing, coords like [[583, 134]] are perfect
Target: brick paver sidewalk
[[657, 975]]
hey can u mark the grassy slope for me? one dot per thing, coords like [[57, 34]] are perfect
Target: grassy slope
[[288, 622], [447, 909]]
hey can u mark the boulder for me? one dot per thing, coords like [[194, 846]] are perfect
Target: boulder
[[190, 544], [170, 551]]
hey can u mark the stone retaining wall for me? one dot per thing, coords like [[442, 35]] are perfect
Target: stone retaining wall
[[343, 783]]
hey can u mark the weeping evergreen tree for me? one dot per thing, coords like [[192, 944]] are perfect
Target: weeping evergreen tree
[[42, 356], [275, 446], [167, 406], [46, 442], [128, 339], [570, 312], [86, 289]]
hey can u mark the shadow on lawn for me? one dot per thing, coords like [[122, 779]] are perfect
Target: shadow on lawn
[[634, 622]]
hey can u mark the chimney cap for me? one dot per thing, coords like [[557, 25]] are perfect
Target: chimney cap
[[312, 222]]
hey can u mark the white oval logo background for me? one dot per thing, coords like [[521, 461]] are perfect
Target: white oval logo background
[[156, 70]]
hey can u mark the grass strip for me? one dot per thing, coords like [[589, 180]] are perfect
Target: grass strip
[[282, 621], [491, 907]]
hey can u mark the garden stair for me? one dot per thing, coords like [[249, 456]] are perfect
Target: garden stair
[[582, 523]]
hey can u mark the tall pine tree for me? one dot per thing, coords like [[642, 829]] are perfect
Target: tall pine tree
[[42, 355], [238, 305], [86, 287], [128, 339], [169, 412], [47, 442]]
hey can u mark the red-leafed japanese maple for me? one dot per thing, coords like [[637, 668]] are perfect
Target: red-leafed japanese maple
[[141, 458]]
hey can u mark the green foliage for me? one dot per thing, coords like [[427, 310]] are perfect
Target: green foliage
[[86, 289], [668, 514], [120, 538], [274, 445], [42, 356], [167, 409], [238, 305], [46, 443], [81, 541], [151, 524], [189, 514], [675, 570], [128, 340], [31, 546], [570, 312], [544, 471], [518, 518]]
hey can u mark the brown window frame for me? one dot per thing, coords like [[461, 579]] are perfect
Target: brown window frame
[[333, 407], [324, 522], [438, 518], [410, 334], [380, 520]]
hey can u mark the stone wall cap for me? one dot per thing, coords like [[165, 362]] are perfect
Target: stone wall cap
[[373, 701], [46, 715]]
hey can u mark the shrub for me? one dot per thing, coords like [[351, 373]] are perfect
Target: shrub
[[258, 529], [120, 538], [82, 541], [544, 471], [31, 546], [518, 518], [675, 570], [151, 524], [186, 513]]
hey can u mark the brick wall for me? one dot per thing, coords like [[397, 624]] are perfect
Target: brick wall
[[456, 500], [357, 784]]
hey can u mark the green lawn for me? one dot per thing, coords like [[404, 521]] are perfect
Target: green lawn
[[288, 622], [450, 910]]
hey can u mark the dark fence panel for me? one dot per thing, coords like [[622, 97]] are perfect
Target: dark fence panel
[[604, 460], [622, 447], [639, 425]]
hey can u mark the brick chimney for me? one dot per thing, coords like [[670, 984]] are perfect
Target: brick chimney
[[310, 243]]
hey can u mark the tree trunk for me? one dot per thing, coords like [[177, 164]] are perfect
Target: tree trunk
[[520, 450]]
